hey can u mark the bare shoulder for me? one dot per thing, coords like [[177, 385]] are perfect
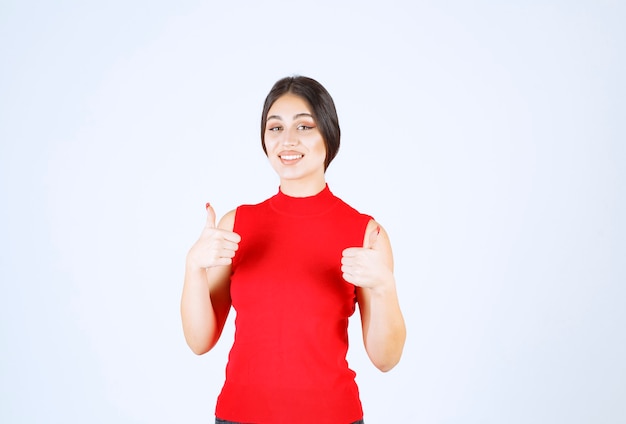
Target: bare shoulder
[[228, 221], [374, 226]]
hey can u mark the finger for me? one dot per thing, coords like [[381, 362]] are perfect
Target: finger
[[232, 237], [347, 276], [210, 218], [229, 245], [226, 253], [352, 278], [351, 252], [223, 261]]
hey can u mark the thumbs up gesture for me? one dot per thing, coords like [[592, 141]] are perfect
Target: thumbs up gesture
[[369, 266], [215, 246]]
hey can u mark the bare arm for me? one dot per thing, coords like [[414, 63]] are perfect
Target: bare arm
[[370, 268], [205, 301]]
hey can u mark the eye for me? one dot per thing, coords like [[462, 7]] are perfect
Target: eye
[[305, 127], [274, 128]]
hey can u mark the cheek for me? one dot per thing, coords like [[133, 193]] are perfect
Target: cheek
[[320, 148], [269, 143]]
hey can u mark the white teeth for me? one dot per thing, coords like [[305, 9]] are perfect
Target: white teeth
[[291, 157]]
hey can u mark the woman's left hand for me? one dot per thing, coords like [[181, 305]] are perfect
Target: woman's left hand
[[369, 266]]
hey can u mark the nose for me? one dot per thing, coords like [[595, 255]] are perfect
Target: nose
[[290, 138]]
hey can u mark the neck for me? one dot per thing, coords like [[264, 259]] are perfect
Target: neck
[[299, 188]]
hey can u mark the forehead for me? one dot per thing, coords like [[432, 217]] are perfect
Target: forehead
[[289, 104]]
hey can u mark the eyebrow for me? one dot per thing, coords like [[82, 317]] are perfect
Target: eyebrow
[[299, 115]]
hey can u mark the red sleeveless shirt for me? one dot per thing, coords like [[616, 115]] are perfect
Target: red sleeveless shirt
[[288, 360]]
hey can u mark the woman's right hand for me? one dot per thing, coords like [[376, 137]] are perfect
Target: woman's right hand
[[215, 247]]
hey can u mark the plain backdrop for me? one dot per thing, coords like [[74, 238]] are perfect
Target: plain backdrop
[[487, 137]]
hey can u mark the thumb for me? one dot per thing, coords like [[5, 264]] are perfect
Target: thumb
[[373, 238], [210, 218]]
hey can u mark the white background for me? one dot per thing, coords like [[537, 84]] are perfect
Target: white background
[[488, 138]]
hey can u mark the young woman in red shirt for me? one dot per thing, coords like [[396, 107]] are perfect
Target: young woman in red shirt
[[293, 268]]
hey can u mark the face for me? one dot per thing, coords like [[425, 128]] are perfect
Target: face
[[294, 144]]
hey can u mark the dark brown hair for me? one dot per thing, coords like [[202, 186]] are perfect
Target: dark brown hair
[[321, 103]]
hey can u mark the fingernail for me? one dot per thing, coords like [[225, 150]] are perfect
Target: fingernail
[[207, 205]]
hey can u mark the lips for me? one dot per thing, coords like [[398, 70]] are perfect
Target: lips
[[290, 156]]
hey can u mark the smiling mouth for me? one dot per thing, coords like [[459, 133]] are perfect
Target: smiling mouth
[[290, 157]]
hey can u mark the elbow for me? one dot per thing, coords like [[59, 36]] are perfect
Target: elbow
[[199, 346], [200, 339], [386, 367], [385, 356], [199, 350], [386, 364]]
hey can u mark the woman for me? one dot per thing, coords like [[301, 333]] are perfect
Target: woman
[[293, 268]]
